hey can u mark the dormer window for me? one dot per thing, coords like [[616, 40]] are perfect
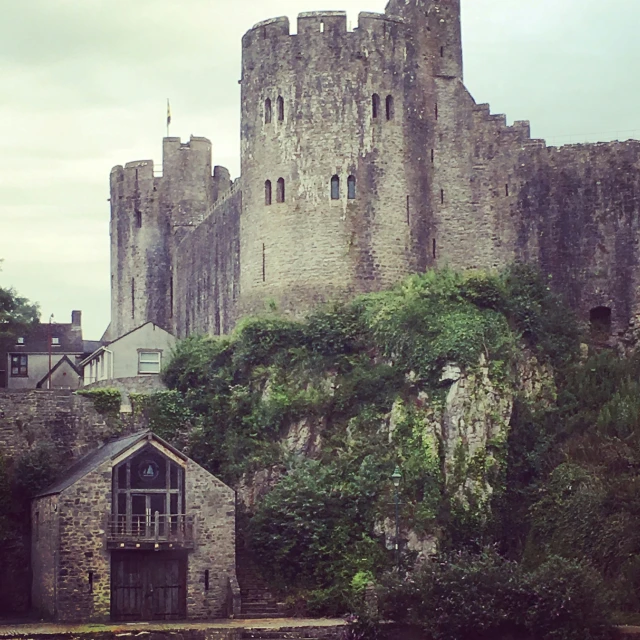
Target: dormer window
[[55, 341], [20, 341]]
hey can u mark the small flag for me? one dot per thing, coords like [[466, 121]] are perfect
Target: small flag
[[168, 113]]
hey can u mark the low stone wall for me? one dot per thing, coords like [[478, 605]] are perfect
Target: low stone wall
[[67, 421]]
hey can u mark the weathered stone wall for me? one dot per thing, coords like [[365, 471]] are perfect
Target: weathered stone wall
[[67, 421], [207, 270], [82, 511], [312, 247], [214, 504], [45, 537]]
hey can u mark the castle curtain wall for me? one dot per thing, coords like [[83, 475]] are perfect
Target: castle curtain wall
[[207, 271]]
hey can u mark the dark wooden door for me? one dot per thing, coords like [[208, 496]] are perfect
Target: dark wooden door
[[148, 585]]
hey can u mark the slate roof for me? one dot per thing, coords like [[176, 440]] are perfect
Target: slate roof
[[37, 339], [94, 459]]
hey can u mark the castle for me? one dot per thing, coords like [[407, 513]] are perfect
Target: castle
[[363, 159]]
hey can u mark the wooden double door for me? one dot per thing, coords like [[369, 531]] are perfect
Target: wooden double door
[[148, 585]]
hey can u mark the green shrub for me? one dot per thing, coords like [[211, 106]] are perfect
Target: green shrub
[[106, 401], [467, 597]]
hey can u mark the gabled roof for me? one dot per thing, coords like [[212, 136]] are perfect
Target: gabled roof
[[63, 360], [106, 344], [94, 459]]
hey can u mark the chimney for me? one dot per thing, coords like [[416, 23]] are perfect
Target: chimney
[[76, 318]]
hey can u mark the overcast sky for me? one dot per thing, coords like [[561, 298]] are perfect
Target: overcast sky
[[84, 83]]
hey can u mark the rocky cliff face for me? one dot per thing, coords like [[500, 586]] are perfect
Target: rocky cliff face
[[460, 430]]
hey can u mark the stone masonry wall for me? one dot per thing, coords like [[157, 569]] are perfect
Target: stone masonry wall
[[82, 511], [214, 504], [67, 421], [207, 271], [45, 537]]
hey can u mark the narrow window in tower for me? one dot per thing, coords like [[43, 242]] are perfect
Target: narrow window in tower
[[264, 263], [171, 297], [280, 109], [442, 52], [436, 111], [321, 26], [375, 100], [441, 196], [335, 188], [433, 155], [133, 297], [408, 210], [267, 111], [389, 107], [506, 190], [138, 218], [351, 187], [434, 249], [267, 192], [280, 191]]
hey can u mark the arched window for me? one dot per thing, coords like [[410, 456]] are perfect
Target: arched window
[[267, 192], [335, 188], [390, 108], [148, 496], [280, 191], [280, 108], [267, 111], [375, 103], [351, 188]]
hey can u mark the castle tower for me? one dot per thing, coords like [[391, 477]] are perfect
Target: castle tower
[[327, 122], [436, 32], [140, 251], [150, 216]]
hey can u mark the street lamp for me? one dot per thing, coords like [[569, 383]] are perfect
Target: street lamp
[[49, 377], [396, 477]]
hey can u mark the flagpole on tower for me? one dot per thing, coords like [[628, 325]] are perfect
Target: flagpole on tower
[[168, 116]]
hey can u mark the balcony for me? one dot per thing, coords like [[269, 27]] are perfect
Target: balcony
[[157, 532]]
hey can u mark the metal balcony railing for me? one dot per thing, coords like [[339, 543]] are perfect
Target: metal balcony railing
[[177, 529]]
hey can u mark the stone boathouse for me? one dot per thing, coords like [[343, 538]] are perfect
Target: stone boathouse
[[134, 531]]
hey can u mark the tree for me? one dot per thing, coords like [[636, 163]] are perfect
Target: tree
[[17, 314]]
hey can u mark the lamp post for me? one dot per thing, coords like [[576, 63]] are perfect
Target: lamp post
[[49, 376], [396, 477]]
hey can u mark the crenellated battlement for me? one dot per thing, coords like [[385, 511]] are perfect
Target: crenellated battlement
[[316, 24]]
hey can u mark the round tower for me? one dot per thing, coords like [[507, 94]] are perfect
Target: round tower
[[140, 254], [328, 206]]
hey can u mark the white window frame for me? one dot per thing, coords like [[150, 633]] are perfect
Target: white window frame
[[149, 361]]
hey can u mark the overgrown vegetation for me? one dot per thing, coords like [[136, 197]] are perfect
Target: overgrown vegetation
[[331, 405], [105, 400]]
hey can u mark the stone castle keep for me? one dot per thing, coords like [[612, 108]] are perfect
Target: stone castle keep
[[364, 159]]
